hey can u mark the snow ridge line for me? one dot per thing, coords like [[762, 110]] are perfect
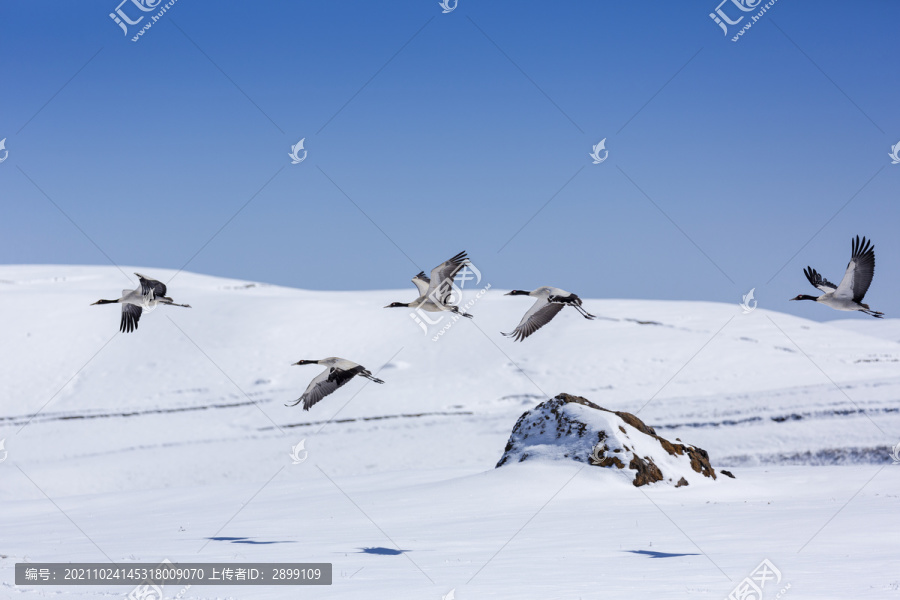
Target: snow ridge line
[[19, 419], [871, 455], [784, 418]]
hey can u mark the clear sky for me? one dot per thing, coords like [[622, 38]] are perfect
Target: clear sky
[[731, 165]]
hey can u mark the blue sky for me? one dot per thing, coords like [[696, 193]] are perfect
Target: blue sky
[[731, 164]]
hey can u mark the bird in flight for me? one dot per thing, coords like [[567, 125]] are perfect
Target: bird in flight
[[337, 373], [849, 293], [149, 294], [550, 301], [435, 292]]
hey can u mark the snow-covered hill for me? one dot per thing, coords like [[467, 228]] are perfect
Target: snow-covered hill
[[143, 446]]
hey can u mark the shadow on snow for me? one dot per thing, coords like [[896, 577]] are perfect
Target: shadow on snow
[[653, 554], [246, 540], [381, 551]]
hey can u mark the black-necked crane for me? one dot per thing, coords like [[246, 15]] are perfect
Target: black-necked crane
[[435, 292], [550, 300], [338, 372], [148, 295], [849, 293]]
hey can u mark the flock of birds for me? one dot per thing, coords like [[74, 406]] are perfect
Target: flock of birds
[[436, 292]]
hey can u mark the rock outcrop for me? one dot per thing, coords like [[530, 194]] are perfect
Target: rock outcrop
[[574, 428]]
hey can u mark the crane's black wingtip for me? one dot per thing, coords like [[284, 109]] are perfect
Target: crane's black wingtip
[[862, 246]]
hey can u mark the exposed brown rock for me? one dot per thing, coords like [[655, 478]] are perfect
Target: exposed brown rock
[[550, 422], [633, 421], [647, 471]]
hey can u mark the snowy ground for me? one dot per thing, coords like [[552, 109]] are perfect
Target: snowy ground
[[144, 446]]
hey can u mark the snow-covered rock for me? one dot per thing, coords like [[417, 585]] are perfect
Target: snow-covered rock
[[574, 428]]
